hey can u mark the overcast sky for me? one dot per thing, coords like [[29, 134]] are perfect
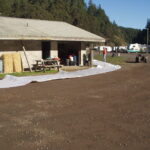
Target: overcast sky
[[127, 13]]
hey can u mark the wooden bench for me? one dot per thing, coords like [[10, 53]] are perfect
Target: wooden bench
[[43, 65]]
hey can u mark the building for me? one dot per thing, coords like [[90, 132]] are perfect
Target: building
[[43, 39]]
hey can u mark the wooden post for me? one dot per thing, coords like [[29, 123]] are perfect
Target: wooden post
[[24, 50], [79, 57], [91, 57], [91, 54]]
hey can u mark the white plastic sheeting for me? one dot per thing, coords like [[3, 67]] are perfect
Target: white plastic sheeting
[[102, 67]]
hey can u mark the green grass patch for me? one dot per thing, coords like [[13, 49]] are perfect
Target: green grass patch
[[116, 60], [2, 75]]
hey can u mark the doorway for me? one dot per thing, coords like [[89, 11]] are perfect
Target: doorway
[[45, 49], [68, 48]]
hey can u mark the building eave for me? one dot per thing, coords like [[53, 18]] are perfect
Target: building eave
[[53, 39]]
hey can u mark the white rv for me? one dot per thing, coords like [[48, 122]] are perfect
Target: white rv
[[138, 47], [135, 46], [101, 48]]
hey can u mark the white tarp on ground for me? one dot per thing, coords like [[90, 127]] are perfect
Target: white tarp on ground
[[102, 67]]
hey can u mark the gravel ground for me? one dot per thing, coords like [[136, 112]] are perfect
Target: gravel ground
[[103, 112]]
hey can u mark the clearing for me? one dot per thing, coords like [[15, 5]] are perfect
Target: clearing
[[104, 112]]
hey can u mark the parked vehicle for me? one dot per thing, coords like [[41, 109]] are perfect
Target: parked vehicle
[[101, 48], [133, 51]]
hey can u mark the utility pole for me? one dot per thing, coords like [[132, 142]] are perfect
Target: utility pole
[[147, 38]]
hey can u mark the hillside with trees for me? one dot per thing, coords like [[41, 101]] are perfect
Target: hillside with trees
[[142, 35], [76, 12]]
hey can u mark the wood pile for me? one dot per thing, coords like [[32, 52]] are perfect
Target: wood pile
[[12, 62]]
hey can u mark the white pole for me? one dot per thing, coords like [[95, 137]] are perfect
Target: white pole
[[147, 38]]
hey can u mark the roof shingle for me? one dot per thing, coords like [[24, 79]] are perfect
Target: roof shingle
[[32, 29]]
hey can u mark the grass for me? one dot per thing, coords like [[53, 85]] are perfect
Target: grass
[[29, 73], [116, 60]]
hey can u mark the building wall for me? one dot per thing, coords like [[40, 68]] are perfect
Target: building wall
[[54, 49], [83, 52], [33, 50]]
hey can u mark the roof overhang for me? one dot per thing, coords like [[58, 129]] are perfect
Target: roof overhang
[[32, 29], [53, 39]]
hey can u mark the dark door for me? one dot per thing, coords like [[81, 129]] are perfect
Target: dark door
[[45, 49]]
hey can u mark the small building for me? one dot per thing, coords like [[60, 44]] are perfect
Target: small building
[[43, 39]]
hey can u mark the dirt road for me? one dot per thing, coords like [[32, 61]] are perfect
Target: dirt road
[[104, 112]]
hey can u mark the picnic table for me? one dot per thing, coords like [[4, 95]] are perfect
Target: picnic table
[[43, 65]]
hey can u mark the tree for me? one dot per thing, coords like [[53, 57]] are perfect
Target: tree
[[5, 7], [148, 23], [75, 12]]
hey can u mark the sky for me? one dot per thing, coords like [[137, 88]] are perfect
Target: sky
[[126, 13]]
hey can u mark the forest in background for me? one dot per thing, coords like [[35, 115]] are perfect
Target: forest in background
[[89, 17]]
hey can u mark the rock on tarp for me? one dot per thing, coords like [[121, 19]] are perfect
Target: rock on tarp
[[101, 67]]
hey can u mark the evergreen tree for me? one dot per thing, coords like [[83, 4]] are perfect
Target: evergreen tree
[[148, 23], [76, 12]]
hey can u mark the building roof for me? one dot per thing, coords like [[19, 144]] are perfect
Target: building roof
[[32, 29]]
